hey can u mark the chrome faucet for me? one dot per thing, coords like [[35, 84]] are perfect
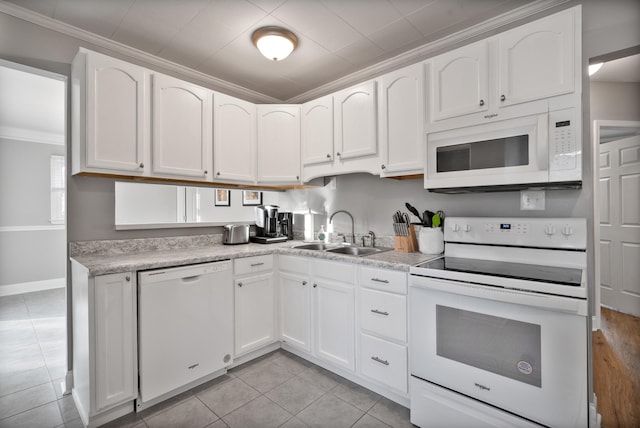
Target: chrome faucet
[[372, 239], [353, 233]]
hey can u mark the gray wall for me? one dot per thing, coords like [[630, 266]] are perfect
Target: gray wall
[[615, 101], [28, 255]]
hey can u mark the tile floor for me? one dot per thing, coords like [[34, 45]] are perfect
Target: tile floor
[[276, 390]]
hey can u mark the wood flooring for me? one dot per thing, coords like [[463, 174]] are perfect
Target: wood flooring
[[616, 369]]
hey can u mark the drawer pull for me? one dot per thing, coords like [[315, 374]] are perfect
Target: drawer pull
[[381, 361], [376, 311], [384, 281], [257, 264]]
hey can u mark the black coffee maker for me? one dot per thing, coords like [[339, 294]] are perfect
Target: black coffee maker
[[286, 224]]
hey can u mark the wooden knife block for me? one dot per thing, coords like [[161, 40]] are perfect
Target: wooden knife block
[[407, 244]]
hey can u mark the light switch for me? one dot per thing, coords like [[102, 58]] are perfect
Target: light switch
[[532, 200]]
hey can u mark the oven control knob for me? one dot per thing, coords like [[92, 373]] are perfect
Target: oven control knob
[[455, 227], [466, 228], [567, 230], [550, 230]]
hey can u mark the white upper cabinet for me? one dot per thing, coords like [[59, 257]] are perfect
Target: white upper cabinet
[[460, 81], [533, 62], [182, 123], [109, 106], [355, 113], [536, 60], [234, 139], [278, 144], [403, 121], [317, 131]]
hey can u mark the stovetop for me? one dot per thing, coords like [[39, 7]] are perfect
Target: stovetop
[[490, 268]]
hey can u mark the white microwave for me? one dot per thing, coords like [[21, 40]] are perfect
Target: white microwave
[[537, 151]]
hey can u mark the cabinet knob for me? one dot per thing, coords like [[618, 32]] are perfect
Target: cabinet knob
[[297, 177], [206, 172], [338, 154], [328, 156], [502, 98], [239, 284], [141, 165], [128, 278], [315, 285], [304, 282], [218, 173], [382, 166], [481, 102]]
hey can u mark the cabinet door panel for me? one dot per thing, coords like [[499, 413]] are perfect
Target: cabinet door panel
[[181, 128], [278, 144], [460, 82], [356, 121], [295, 306], [403, 119], [234, 142], [317, 131], [536, 60], [254, 312], [115, 130], [115, 339], [334, 316]]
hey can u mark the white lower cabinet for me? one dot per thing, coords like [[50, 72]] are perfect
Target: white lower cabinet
[[254, 297], [104, 344], [384, 361], [317, 308], [382, 303], [295, 302]]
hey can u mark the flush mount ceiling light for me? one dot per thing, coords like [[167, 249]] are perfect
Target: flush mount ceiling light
[[274, 43]]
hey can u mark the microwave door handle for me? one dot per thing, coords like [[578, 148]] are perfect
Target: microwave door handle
[[543, 145]]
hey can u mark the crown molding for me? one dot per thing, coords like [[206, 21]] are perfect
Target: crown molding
[[428, 50], [95, 39], [413, 56]]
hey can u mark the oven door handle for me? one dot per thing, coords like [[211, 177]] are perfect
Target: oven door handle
[[557, 303]]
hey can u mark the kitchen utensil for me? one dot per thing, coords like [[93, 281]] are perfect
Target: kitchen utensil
[[413, 211], [427, 217], [435, 222], [441, 214]]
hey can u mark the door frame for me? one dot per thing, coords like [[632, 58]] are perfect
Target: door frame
[[598, 125]]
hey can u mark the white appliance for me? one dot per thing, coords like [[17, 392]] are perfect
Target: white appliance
[[540, 150], [185, 321], [499, 325]]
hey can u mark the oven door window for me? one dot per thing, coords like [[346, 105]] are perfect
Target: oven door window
[[502, 346], [497, 153]]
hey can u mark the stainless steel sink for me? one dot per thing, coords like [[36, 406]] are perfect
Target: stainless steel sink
[[357, 251], [350, 250], [314, 246]]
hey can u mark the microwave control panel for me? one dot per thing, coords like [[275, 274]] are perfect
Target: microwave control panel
[[564, 152]]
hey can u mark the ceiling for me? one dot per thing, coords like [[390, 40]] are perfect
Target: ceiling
[[336, 37]]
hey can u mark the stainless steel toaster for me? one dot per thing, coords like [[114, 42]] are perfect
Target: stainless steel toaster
[[235, 234]]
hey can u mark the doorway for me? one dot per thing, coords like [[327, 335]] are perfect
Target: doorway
[[615, 113], [33, 243]]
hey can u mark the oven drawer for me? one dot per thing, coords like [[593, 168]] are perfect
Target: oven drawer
[[392, 281], [384, 314], [439, 407], [384, 362]]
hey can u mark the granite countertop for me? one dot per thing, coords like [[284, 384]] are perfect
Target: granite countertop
[[144, 260]]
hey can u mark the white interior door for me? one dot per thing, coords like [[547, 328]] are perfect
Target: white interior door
[[619, 191]]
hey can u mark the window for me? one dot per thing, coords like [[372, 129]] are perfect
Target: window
[[58, 189]]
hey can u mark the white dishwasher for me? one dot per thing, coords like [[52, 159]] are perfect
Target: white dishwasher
[[185, 322]]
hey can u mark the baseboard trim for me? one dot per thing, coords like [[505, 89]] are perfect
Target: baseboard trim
[[28, 287]]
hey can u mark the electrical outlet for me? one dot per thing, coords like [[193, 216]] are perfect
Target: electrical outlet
[[532, 200]]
